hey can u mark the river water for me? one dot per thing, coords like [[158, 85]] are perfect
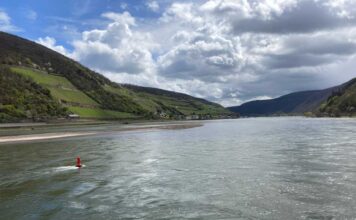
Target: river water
[[256, 168]]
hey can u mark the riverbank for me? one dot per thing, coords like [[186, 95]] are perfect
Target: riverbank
[[29, 132], [50, 124], [34, 137]]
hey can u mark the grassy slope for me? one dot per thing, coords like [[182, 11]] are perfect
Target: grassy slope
[[22, 98], [154, 101], [81, 104], [143, 101], [101, 113], [59, 86], [76, 85], [63, 90], [18, 51]]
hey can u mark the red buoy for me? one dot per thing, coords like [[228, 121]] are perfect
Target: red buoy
[[78, 162]]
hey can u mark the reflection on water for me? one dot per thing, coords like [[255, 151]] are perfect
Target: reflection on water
[[265, 168]]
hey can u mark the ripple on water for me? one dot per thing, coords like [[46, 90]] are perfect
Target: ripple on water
[[280, 168], [83, 188], [102, 208], [76, 205]]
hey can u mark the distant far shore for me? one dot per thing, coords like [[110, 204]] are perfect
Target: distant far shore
[[114, 128]]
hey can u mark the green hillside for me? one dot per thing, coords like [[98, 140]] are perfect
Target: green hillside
[[59, 86], [101, 113], [22, 98], [342, 102], [82, 91]]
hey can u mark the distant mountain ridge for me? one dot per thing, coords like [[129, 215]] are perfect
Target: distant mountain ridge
[[297, 103], [69, 87]]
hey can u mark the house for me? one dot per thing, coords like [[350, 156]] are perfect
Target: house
[[163, 115], [73, 116], [192, 117]]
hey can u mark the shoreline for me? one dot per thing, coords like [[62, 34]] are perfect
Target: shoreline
[[24, 138], [79, 123], [45, 136]]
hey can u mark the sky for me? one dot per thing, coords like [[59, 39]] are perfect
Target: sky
[[226, 51]]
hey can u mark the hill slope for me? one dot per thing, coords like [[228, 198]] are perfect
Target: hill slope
[[23, 98], [87, 93], [341, 102], [293, 103]]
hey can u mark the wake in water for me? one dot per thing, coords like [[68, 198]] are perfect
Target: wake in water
[[63, 169]]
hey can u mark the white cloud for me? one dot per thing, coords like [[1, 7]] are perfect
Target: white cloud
[[182, 12], [51, 43], [227, 51], [153, 6], [117, 48], [4, 18], [243, 9], [343, 8], [234, 46], [5, 23]]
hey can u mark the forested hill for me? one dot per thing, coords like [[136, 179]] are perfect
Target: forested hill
[[342, 102], [63, 86], [296, 103]]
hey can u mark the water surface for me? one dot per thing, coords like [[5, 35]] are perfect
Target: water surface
[[262, 168]]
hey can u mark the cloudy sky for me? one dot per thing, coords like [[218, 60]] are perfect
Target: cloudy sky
[[227, 51]]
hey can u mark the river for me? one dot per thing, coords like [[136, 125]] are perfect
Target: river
[[253, 168]]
